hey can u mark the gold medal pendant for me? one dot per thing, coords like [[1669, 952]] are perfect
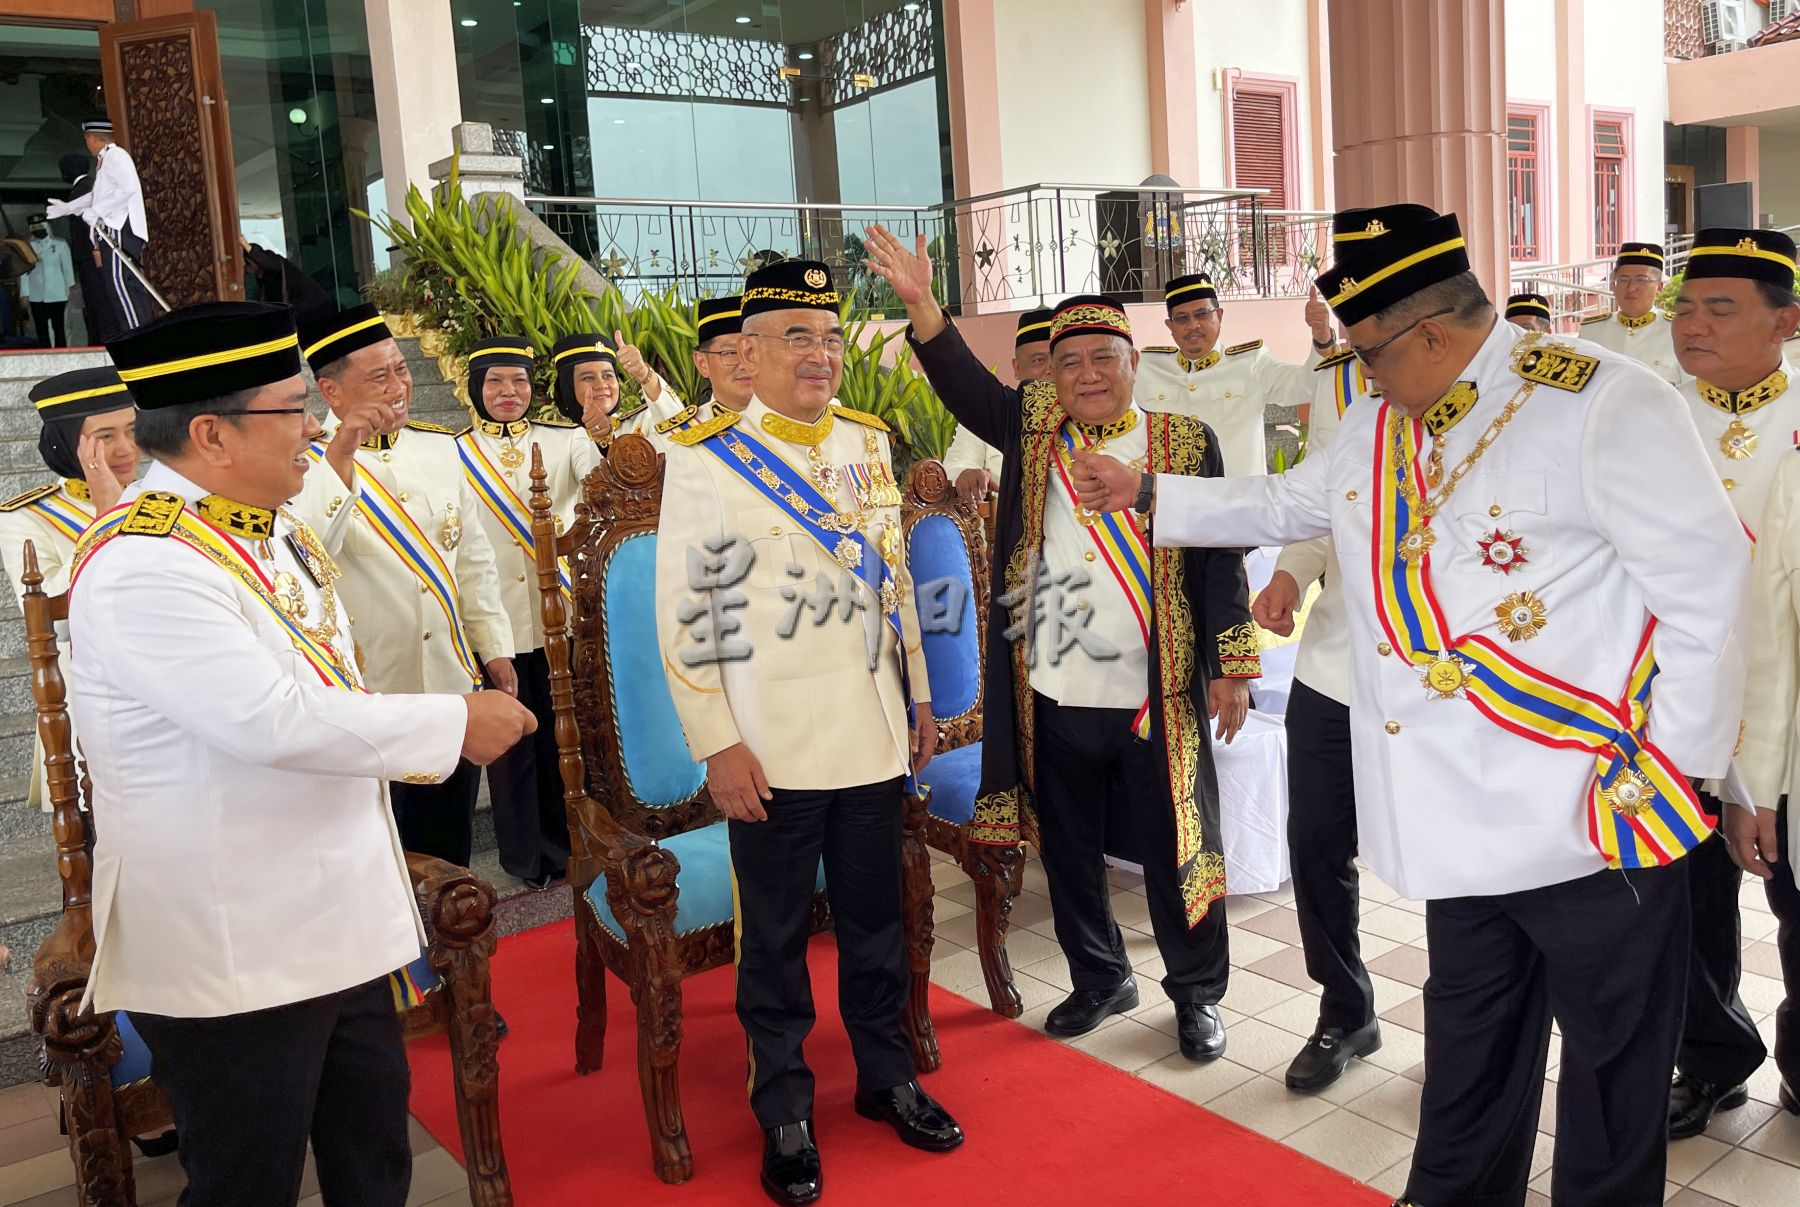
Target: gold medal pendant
[[289, 597], [826, 477], [450, 535], [1738, 442], [1631, 793], [848, 553], [1521, 615], [1417, 543], [1445, 676], [511, 456]]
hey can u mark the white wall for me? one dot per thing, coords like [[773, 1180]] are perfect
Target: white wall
[[1267, 38], [1624, 67], [1531, 51], [1778, 176]]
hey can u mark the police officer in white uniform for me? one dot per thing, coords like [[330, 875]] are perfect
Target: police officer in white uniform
[[718, 324], [973, 465], [114, 207], [250, 892], [1501, 698], [1636, 327]]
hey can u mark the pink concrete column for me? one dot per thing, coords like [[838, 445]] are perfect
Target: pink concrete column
[[1743, 157], [973, 83], [1174, 103], [1573, 138], [1418, 104], [1318, 38]]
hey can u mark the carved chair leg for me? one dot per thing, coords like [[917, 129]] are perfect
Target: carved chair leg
[[658, 997], [473, 1027], [100, 1152], [917, 911], [590, 991], [996, 872]]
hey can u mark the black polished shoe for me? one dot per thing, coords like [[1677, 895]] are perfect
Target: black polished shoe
[[1200, 1030], [790, 1167], [1790, 1101], [538, 884], [1323, 1059], [913, 1114], [1086, 1009], [157, 1146], [1692, 1104]]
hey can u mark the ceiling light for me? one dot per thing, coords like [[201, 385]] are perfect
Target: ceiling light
[[742, 20], [911, 8], [297, 116], [618, 121], [805, 56], [468, 23], [546, 100], [549, 146]]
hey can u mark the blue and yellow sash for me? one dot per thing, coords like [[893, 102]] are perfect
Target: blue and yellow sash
[[64, 513], [498, 496], [1122, 547], [1348, 384], [1641, 810]]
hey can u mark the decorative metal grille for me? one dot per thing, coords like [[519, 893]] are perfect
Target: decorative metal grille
[[683, 66], [893, 48], [1681, 29]]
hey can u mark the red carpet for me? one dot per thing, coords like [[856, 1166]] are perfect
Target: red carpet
[[1047, 1125]]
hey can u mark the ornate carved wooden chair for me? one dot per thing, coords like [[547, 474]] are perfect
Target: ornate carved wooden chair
[[650, 859], [102, 1067], [947, 552]]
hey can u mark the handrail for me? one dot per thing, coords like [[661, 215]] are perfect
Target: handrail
[[954, 204], [665, 203]]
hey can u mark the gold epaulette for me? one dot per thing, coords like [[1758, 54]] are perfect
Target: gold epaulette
[[696, 432], [1554, 364], [1336, 358], [1252, 346], [862, 417], [153, 513], [1170, 348], [1598, 318], [421, 426], [677, 419], [30, 496], [557, 420]]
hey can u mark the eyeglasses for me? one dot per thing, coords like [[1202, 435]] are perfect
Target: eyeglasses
[[730, 355], [315, 407], [805, 343], [1367, 355], [1628, 281]]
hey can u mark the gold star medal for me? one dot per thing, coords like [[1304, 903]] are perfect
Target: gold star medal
[[1738, 442], [1630, 794], [450, 535], [289, 597], [1417, 543], [1521, 615], [847, 553], [1445, 676], [511, 456]]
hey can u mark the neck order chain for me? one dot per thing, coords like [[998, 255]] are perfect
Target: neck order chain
[[1419, 537]]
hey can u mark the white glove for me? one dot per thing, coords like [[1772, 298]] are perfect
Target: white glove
[[55, 209], [91, 217]]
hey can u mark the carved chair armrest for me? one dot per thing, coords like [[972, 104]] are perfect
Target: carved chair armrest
[[59, 978], [457, 905]]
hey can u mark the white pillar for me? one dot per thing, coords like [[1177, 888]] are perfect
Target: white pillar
[[412, 53]]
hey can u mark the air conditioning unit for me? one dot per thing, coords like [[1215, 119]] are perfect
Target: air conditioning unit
[[1781, 10], [1721, 22]]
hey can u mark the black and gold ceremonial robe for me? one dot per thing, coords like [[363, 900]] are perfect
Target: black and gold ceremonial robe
[[1200, 614]]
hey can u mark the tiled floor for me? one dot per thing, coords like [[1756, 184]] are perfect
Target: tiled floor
[[1363, 1125]]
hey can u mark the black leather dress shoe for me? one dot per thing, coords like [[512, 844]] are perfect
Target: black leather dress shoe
[[790, 1169], [1200, 1030], [1790, 1101], [1692, 1104], [1325, 1055], [913, 1114], [1086, 1009]]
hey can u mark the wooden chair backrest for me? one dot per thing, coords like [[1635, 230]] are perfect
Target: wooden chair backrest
[[74, 844], [930, 492]]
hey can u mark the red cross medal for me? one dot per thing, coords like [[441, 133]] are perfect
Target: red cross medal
[[1502, 551]]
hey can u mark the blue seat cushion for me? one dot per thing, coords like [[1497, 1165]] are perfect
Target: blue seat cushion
[[939, 560], [134, 1066], [659, 768], [954, 779], [704, 882]]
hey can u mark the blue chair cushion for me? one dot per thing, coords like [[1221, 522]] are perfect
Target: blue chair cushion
[[954, 778], [658, 765], [704, 882], [939, 560], [134, 1066]]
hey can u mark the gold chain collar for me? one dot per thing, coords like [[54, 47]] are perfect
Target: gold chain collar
[[500, 431], [796, 432], [1633, 324], [1197, 366], [239, 519], [1099, 433], [75, 488], [1448, 410], [1742, 402]]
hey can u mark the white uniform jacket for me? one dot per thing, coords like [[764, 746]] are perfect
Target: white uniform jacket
[[1746, 449], [808, 704], [246, 856], [1230, 391], [1651, 344], [1772, 696], [967, 451], [1616, 517]]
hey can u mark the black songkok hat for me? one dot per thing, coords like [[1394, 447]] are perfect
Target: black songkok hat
[[789, 285], [98, 125], [1034, 327], [1351, 227], [1757, 255], [79, 393], [1089, 314], [328, 337], [570, 351], [1648, 254], [1369, 277], [206, 351], [1527, 305], [719, 316], [1194, 287]]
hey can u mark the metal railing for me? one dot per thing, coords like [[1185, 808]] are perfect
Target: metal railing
[[1018, 247], [1583, 289]]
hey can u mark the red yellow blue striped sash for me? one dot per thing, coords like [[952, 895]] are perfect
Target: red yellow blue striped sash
[[498, 496], [1641, 810], [63, 513], [1122, 547], [1348, 384]]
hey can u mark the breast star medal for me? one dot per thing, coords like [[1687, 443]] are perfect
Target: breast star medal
[[450, 535], [511, 455], [1521, 615], [1417, 543], [1738, 442], [1630, 793], [1502, 551], [1446, 676], [848, 553], [289, 597]]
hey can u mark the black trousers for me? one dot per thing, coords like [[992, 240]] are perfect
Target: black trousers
[[525, 785], [97, 305], [774, 867], [1321, 835], [439, 819], [1100, 788], [131, 307], [51, 326], [1606, 957], [249, 1090], [1719, 1039], [1784, 903]]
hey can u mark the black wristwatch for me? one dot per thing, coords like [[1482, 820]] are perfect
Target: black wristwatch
[[1327, 346], [1146, 494]]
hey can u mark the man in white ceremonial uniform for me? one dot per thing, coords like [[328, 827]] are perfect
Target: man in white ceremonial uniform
[[718, 325], [389, 499], [113, 208], [1735, 311], [974, 465], [1529, 312], [1501, 700], [1636, 327], [525, 785], [250, 892], [1230, 388], [789, 636]]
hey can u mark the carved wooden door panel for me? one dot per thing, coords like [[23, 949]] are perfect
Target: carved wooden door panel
[[166, 97]]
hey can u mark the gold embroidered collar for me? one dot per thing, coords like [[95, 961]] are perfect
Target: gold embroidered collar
[[1632, 324], [1742, 402], [1448, 411], [78, 489], [1196, 366], [516, 429], [796, 432], [381, 443], [239, 519], [1101, 432]]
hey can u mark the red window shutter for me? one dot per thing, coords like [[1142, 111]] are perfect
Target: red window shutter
[[1259, 135]]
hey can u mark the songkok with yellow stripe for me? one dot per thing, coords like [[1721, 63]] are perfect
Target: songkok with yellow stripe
[[789, 285], [508, 351], [1195, 287], [63, 402], [1368, 277], [718, 316], [1755, 255], [1089, 314], [571, 352], [1034, 328], [1351, 227], [327, 338], [1528, 306], [199, 353], [1647, 255]]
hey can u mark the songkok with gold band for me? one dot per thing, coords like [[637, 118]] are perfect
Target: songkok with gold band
[[719, 316], [1195, 287], [1648, 255], [1756, 255], [1089, 314], [1034, 327], [326, 338], [570, 352], [512, 351], [98, 125], [63, 402], [1369, 277], [789, 285], [1528, 306], [1350, 227], [203, 352]]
